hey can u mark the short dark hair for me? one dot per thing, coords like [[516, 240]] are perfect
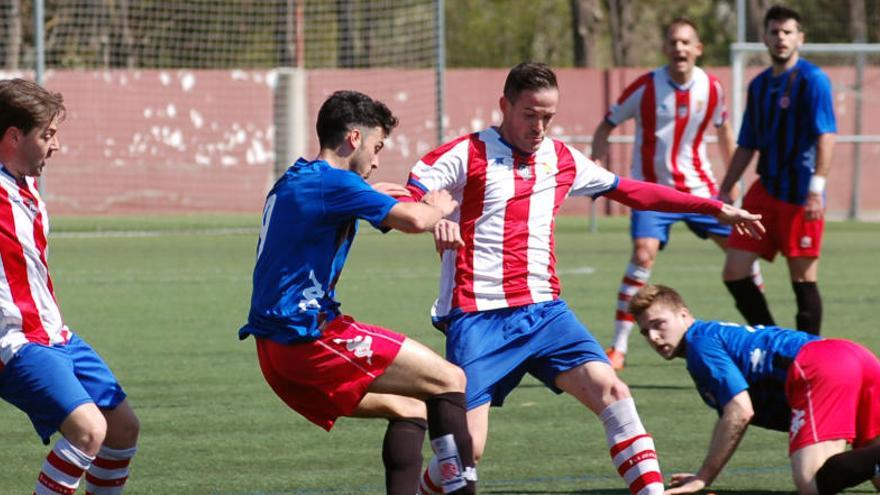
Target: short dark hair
[[655, 294], [344, 110], [680, 21], [781, 13], [26, 105], [528, 76]]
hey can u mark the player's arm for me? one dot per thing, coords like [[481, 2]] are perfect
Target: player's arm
[[741, 159], [815, 206], [648, 196], [729, 430], [599, 147], [420, 216]]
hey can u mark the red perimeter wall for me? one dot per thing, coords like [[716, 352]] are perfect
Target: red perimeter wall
[[174, 141]]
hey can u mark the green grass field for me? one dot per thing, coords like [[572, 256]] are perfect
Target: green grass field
[[163, 308]]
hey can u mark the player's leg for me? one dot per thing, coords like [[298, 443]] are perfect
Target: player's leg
[[749, 298], [632, 450], [648, 231], [109, 471], [419, 372], [834, 469], [40, 381], [431, 482], [804, 273], [404, 437], [757, 276], [637, 274], [807, 461]]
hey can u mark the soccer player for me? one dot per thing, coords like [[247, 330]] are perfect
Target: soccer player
[[46, 370], [789, 121], [499, 300], [672, 106], [824, 392], [321, 362]]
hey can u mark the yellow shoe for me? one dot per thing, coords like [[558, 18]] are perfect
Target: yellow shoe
[[616, 357]]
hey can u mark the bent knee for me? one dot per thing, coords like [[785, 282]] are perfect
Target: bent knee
[[87, 434], [124, 431], [454, 379]]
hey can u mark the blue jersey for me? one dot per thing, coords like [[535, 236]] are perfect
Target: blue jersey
[[309, 223], [726, 358], [783, 119]]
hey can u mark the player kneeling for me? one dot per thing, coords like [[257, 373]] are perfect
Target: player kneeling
[[824, 392]]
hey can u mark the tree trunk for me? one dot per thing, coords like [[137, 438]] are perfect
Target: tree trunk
[[756, 11], [12, 43], [620, 13], [858, 27], [586, 17]]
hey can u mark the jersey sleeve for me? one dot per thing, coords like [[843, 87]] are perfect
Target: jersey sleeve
[[627, 105], [717, 377], [590, 179], [719, 115], [822, 104], [443, 168], [747, 137], [347, 195]]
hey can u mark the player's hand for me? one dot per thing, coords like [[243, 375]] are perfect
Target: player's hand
[[392, 189], [815, 207], [744, 222], [447, 235], [442, 200], [684, 483]]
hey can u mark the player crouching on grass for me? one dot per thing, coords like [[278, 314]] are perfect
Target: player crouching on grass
[[824, 392], [47, 371], [322, 363]]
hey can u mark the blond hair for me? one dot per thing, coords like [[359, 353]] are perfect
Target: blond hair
[[655, 294]]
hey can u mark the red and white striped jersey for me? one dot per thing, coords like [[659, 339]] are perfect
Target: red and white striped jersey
[[670, 123], [27, 301], [508, 203]]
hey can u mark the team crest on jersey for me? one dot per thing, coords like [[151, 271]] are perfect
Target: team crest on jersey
[[523, 170], [548, 168], [784, 102], [682, 111], [29, 204]]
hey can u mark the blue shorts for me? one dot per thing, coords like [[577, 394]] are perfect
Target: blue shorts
[[48, 383], [497, 348], [656, 224]]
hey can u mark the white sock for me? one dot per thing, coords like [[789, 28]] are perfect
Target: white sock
[[634, 279], [109, 471], [62, 469], [757, 277], [632, 449]]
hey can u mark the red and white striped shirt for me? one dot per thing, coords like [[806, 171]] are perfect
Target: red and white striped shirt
[[508, 203], [670, 123], [27, 301]]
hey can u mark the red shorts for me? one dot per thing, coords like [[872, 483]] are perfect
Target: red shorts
[[328, 377], [833, 388], [788, 230]]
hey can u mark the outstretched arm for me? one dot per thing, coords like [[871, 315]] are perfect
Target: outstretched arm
[[648, 196], [729, 430]]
